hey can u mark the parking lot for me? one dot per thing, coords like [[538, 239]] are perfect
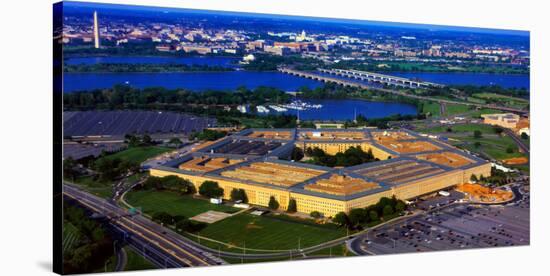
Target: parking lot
[[455, 226]]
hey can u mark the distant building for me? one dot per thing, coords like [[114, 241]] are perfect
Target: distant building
[[249, 58], [163, 48], [277, 50], [198, 49], [507, 120]]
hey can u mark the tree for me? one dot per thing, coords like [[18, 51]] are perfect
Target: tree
[[210, 189], [239, 194], [316, 214], [292, 208], [176, 183], [147, 140], [388, 210], [132, 140], [127, 166], [373, 215], [524, 136], [183, 225], [163, 217], [186, 225], [273, 204], [297, 154], [357, 216], [175, 141], [107, 168], [477, 144], [473, 178], [69, 168], [498, 130], [341, 219], [153, 182], [510, 149], [400, 206], [478, 134], [208, 135]]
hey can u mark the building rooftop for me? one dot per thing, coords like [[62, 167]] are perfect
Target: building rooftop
[[256, 157], [207, 163], [446, 158], [341, 185], [272, 173], [331, 135], [409, 146], [284, 135]]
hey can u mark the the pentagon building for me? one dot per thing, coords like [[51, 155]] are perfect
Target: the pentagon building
[[256, 160]]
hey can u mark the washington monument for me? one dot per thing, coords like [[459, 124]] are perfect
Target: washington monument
[[96, 31]]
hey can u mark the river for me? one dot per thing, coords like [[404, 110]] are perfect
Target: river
[[199, 81]]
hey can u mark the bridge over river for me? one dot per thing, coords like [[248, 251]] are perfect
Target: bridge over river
[[350, 79]]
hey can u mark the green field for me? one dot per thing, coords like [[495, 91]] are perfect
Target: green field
[[478, 113], [261, 232], [462, 128], [136, 261], [502, 99], [98, 188], [257, 232], [432, 108], [172, 203], [336, 251], [139, 154], [251, 261], [494, 147], [453, 109]]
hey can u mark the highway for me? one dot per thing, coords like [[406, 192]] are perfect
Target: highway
[[175, 250], [518, 140], [351, 83]]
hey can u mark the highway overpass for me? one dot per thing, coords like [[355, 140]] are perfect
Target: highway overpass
[[176, 251]]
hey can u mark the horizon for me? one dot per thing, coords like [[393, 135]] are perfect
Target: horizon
[[363, 22]]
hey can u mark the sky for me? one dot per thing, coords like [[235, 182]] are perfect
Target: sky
[[305, 18]]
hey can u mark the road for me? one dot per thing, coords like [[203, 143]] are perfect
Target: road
[[177, 252], [518, 140]]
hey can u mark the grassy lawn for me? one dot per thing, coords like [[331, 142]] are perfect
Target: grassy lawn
[[251, 261], [336, 251], [136, 261], [478, 113], [172, 203], [139, 154], [453, 109], [494, 147], [503, 99], [260, 232], [463, 128], [432, 108], [98, 188]]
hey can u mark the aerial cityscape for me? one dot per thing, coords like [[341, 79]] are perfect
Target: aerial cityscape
[[203, 138]]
